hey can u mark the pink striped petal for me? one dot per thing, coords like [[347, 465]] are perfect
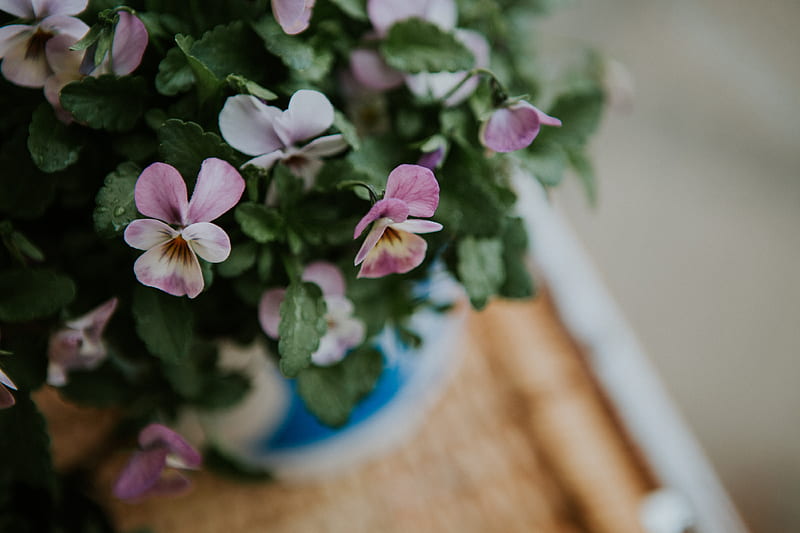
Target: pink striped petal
[[130, 42], [292, 15], [269, 311], [209, 241], [6, 398], [393, 209], [140, 474], [370, 70], [145, 233], [397, 252], [160, 193], [171, 267], [159, 435], [308, 115], [372, 239], [327, 276], [416, 186], [324, 146], [23, 68], [21, 8], [418, 226], [219, 187], [514, 127], [246, 123]]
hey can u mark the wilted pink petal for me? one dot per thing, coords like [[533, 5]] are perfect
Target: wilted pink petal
[[514, 127], [327, 276], [432, 159], [160, 193], [246, 123], [130, 42], [417, 187], [370, 70], [171, 267], [309, 114], [140, 474], [394, 209], [181, 452], [145, 233], [208, 240], [269, 315], [397, 252], [292, 15], [219, 187]]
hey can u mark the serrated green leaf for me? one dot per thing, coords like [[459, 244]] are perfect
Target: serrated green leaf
[[185, 146], [174, 73], [518, 282], [416, 45], [356, 9], [107, 102], [480, 268], [53, 145], [116, 207], [547, 163], [292, 51], [302, 326], [242, 85], [241, 258], [207, 82], [165, 323], [28, 294], [261, 223], [332, 392], [348, 130]]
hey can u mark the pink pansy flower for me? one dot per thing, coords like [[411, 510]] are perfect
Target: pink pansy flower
[[344, 331], [391, 245], [127, 48], [145, 474], [256, 129], [79, 344], [292, 15], [514, 127], [6, 398], [23, 47], [183, 230]]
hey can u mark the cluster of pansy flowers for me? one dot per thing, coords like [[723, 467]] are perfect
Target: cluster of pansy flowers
[[43, 51]]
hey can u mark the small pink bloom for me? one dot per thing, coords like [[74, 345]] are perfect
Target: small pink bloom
[[170, 262], [292, 15], [23, 47], [371, 71], [256, 129], [344, 331], [6, 398], [79, 344], [383, 14], [145, 475], [514, 127], [391, 245]]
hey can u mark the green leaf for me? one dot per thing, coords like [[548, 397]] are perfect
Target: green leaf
[[104, 387], [174, 73], [229, 49], [26, 447], [242, 85], [302, 326], [294, 52], [480, 268], [583, 168], [415, 45], [348, 130], [28, 294], [518, 282], [221, 391], [185, 146], [26, 192], [53, 145], [241, 258], [207, 82], [330, 393], [261, 223], [547, 163], [116, 207], [165, 323], [107, 102], [356, 9], [580, 114]]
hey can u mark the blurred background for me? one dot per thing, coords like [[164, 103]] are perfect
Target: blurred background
[[696, 229]]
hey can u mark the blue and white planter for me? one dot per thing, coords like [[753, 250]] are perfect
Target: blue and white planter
[[273, 430]]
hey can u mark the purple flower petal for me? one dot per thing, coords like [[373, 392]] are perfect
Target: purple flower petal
[[171, 267], [327, 276], [266, 161], [130, 42], [394, 209], [219, 187], [160, 193], [44, 8], [23, 68], [514, 127], [209, 241], [246, 123], [292, 15], [344, 332], [6, 398], [416, 186], [431, 160], [5, 380], [418, 226], [170, 483], [62, 24], [372, 239], [324, 146], [13, 35], [159, 435], [21, 8], [309, 114], [384, 13], [370, 70], [145, 233], [141, 473], [397, 252], [269, 314]]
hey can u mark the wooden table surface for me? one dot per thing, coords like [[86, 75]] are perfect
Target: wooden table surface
[[522, 440]]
